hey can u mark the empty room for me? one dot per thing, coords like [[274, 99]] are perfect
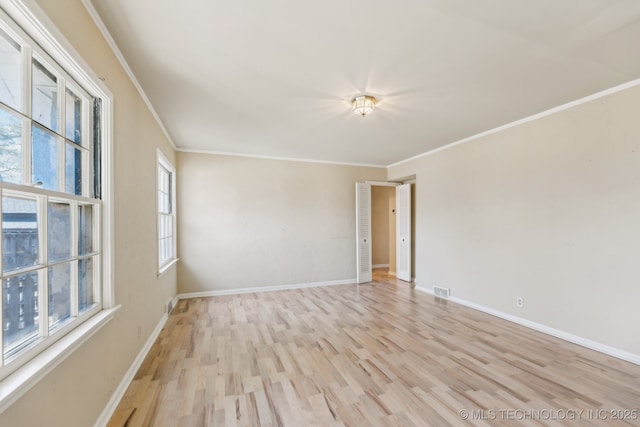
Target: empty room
[[286, 213]]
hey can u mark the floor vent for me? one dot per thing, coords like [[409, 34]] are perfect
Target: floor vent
[[441, 292], [169, 306]]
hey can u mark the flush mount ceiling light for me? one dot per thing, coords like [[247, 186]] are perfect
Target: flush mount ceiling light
[[363, 104]]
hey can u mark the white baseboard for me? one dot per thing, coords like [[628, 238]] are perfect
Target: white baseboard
[[425, 290], [174, 301], [380, 266], [119, 392], [265, 289], [575, 339]]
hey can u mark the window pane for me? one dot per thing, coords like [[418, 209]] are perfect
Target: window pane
[[44, 159], [165, 238], [10, 72], [73, 117], [19, 233], [162, 251], [166, 226], [44, 97], [85, 232], [169, 248], [59, 294], [162, 178], [19, 311], [51, 146], [164, 190], [73, 170], [163, 203], [59, 231], [85, 284], [10, 147]]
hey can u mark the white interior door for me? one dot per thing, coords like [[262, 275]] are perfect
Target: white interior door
[[403, 232], [363, 232]]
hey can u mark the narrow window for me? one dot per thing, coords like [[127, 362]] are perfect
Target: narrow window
[[166, 214]]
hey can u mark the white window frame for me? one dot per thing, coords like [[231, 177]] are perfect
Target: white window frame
[[29, 23], [165, 264]]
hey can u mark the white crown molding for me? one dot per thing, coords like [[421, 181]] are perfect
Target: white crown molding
[[288, 159], [105, 32], [566, 336], [545, 113], [116, 50]]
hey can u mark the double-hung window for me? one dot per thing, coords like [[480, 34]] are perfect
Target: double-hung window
[[166, 214], [51, 255]]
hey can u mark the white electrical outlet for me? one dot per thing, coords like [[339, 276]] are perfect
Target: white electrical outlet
[[519, 302]]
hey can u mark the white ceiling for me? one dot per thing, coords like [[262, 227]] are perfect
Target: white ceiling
[[274, 78]]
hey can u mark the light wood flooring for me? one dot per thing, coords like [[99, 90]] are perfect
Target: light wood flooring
[[379, 354]]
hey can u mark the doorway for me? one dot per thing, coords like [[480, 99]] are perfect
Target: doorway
[[384, 229]]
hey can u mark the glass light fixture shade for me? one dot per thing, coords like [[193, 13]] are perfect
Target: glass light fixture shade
[[363, 104]]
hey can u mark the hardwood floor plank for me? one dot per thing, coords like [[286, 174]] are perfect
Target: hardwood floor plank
[[379, 354]]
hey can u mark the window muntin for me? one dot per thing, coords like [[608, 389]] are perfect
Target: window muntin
[[166, 213], [51, 258]]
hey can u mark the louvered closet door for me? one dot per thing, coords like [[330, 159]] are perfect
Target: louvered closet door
[[403, 232], [363, 232]]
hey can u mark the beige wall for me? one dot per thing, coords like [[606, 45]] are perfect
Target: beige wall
[[75, 393], [380, 217], [253, 222], [547, 210]]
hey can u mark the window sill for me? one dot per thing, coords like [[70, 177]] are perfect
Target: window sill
[[167, 266], [18, 383]]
